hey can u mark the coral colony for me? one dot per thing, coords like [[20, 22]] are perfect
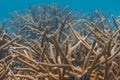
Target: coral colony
[[50, 43]]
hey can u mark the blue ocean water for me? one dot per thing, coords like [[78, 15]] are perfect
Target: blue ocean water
[[9, 6]]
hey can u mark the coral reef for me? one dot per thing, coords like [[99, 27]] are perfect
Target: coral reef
[[50, 43]]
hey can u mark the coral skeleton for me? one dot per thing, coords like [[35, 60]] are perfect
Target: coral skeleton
[[50, 43]]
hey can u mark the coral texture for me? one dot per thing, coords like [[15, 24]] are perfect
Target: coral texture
[[50, 43]]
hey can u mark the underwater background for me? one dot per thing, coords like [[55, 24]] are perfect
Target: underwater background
[[85, 6]]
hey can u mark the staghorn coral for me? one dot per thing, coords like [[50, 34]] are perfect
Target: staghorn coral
[[62, 53]]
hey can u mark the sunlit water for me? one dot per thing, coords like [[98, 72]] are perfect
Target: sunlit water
[[85, 6]]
